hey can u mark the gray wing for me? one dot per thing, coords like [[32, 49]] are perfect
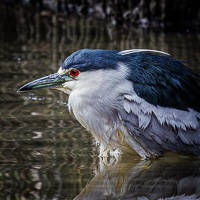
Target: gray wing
[[157, 129]]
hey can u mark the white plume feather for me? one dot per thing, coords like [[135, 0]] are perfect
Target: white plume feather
[[125, 52]]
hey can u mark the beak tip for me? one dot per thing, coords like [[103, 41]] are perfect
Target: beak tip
[[23, 88]]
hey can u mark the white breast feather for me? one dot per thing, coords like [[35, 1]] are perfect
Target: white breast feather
[[94, 99]]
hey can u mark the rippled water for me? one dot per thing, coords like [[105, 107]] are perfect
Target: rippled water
[[46, 154]]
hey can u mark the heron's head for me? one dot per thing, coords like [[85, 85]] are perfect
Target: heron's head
[[81, 67]]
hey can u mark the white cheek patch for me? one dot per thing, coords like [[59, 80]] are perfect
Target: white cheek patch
[[62, 71]]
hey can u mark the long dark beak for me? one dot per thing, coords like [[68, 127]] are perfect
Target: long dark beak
[[53, 80]]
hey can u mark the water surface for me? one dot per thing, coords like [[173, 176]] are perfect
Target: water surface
[[45, 153]]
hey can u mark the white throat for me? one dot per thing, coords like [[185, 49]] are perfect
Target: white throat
[[92, 100]]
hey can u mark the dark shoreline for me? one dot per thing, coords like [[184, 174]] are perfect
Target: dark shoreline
[[168, 15]]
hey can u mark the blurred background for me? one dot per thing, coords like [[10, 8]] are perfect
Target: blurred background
[[44, 152]]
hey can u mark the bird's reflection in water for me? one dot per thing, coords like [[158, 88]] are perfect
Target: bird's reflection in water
[[168, 178]]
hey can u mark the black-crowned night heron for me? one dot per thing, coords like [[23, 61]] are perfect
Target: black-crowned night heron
[[137, 99]]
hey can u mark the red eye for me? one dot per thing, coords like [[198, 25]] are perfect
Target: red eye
[[74, 72]]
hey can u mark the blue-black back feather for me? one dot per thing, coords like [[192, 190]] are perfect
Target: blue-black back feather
[[159, 79], [164, 81]]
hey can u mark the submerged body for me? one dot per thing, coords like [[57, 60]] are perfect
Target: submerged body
[[139, 100]]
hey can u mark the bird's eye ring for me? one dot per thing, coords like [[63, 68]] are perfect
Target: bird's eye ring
[[74, 72]]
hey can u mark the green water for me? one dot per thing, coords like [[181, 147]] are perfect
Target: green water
[[45, 153]]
